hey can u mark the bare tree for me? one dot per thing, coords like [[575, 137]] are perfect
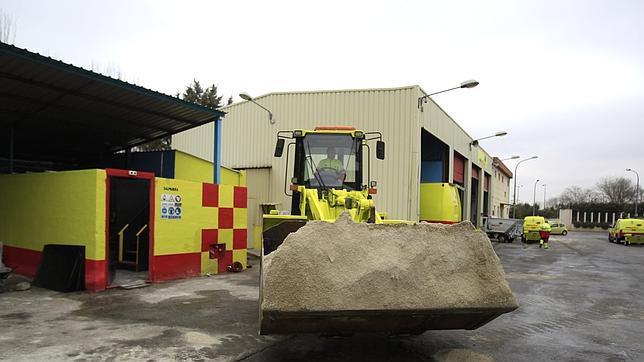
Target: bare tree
[[618, 190], [7, 29], [574, 195]]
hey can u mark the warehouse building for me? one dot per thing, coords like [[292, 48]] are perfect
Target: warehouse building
[[425, 149]]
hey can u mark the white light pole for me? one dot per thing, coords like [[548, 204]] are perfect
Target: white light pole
[[514, 203], [637, 189], [534, 199], [476, 141], [544, 196], [246, 97], [467, 84]]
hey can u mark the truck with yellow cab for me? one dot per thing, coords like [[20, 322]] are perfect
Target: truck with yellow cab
[[627, 231], [531, 228]]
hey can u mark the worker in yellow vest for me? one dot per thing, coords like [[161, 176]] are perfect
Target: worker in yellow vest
[[544, 234], [330, 162]]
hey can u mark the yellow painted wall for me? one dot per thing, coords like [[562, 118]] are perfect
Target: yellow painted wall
[[54, 208], [184, 235], [191, 168], [178, 236]]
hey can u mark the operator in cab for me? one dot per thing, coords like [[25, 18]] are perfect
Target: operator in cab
[[330, 162], [332, 165]]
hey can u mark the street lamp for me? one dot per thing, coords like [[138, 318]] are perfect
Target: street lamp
[[637, 189], [514, 204], [534, 198], [518, 191], [505, 159], [476, 141], [467, 84], [544, 196], [246, 97]]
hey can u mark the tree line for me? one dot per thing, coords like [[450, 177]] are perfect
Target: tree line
[[610, 194], [616, 190]]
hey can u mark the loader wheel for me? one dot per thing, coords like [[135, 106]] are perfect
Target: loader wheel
[[501, 238], [564, 233]]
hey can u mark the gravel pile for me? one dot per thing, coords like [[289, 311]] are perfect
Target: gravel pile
[[346, 266]]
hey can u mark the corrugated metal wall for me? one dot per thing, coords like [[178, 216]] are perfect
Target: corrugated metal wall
[[248, 139]]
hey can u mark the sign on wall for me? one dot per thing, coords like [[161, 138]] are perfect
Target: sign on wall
[[171, 206]]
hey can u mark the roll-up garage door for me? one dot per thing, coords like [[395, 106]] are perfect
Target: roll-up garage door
[[459, 169], [486, 183], [475, 173]]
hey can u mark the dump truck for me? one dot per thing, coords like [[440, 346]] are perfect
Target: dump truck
[[335, 264]]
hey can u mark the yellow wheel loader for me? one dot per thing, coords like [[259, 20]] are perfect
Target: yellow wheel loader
[[407, 277]]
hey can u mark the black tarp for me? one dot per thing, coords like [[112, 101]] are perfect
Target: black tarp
[[62, 268]]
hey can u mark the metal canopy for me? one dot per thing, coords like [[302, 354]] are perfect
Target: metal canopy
[[52, 111]]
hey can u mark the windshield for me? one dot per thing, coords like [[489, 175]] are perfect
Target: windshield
[[331, 161]]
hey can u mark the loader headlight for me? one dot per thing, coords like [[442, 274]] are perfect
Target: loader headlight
[[358, 134], [298, 133]]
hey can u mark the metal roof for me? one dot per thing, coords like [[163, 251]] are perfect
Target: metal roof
[[63, 113]]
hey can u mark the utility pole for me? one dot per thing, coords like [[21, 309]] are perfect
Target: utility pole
[[534, 199], [514, 203], [637, 190]]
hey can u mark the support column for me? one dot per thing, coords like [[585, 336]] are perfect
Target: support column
[[468, 191], [216, 159], [450, 167]]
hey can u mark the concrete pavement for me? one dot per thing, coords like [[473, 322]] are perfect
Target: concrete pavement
[[581, 300]]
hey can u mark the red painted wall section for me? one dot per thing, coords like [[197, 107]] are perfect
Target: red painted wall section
[[95, 275], [169, 267], [26, 262], [23, 261]]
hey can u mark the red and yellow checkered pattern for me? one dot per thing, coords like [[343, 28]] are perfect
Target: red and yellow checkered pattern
[[226, 244]]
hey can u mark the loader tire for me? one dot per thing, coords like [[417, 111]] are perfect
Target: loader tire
[[501, 238]]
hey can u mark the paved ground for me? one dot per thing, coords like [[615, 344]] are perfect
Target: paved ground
[[581, 300]]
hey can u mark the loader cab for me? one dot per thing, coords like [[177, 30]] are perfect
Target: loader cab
[[328, 158]]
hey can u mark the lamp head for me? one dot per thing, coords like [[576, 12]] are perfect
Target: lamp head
[[500, 133], [245, 96], [469, 84]]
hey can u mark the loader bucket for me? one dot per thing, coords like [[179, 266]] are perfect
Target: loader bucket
[[346, 277]]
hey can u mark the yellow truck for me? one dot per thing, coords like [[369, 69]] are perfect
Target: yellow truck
[[531, 228], [628, 231]]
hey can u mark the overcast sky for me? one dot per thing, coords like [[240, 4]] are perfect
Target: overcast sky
[[565, 79]]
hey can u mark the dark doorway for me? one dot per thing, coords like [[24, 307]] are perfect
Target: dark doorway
[[129, 229], [434, 156], [474, 200], [486, 194]]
